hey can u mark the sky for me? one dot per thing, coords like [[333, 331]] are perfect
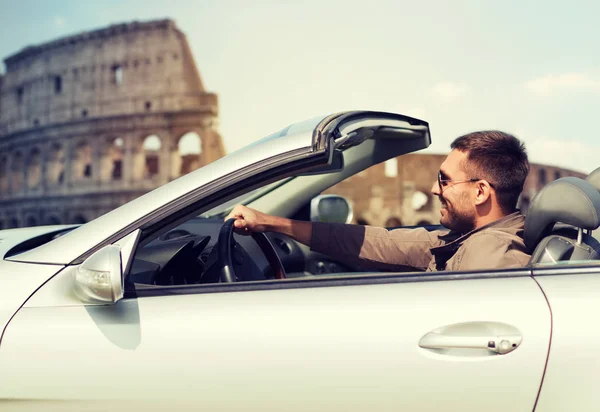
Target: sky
[[531, 68]]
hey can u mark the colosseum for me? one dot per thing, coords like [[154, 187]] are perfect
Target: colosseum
[[91, 121]]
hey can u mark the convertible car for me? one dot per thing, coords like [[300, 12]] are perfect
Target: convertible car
[[158, 304]]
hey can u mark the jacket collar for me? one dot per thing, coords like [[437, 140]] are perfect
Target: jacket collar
[[453, 240], [513, 220]]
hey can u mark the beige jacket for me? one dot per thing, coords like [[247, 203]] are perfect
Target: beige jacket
[[496, 245]]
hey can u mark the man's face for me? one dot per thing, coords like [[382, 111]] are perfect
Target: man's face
[[456, 194]]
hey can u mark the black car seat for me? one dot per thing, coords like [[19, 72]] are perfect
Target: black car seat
[[594, 178], [557, 218]]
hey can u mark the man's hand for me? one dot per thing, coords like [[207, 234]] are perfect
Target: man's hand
[[250, 220], [247, 220]]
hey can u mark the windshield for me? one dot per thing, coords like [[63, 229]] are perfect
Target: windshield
[[222, 210]]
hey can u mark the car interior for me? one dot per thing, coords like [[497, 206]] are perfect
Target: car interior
[[192, 253], [197, 250], [186, 249]]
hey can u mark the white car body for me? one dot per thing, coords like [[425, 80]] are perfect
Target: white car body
[[343, 342]]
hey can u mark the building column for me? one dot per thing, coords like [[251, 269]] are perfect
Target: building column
[[9, 184], [68, 166], [128, 160], [409, 188], [97, 153], [205, 146], [20, 217], [164, 157], [174, 169], [212, 146], [25, 184], [46, 153]]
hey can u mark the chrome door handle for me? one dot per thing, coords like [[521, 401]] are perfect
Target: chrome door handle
[[499, 344]]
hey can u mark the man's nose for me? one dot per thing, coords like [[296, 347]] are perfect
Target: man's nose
[[435, 189]]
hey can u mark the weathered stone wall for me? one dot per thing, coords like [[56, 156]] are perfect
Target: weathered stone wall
[[400, 194], [91, 121]]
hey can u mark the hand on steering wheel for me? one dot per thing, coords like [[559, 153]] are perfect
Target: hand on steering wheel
[[226, 243]]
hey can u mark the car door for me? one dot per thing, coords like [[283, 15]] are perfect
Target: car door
[[419, 342], [570, 382]]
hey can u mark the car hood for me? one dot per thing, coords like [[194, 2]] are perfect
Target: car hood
[[27, 238], [18, 280]]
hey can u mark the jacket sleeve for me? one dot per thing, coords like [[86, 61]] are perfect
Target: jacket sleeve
[[490, 251], [375, 247]]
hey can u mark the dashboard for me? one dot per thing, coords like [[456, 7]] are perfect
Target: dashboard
[[187, 254]]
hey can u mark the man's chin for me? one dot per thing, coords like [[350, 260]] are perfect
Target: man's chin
[[443, 214], [444, 221], [449, 223]]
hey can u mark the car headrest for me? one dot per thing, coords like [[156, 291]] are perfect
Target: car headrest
[[594, 178], [569, 200]]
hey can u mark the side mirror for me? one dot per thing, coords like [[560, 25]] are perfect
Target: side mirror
[[99, 279], [331, 209]]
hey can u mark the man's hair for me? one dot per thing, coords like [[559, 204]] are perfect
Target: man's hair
[[498, 157]]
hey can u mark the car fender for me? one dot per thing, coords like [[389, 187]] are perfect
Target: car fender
[[18, 281]]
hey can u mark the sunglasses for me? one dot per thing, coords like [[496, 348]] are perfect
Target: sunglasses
[[443, 183]]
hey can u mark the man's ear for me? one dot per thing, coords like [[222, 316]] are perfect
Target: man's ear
[[483, 192]]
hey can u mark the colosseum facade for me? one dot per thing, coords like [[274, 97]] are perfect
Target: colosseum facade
[[91, 121]]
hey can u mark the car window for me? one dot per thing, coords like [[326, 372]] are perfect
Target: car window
[[223, 209], [391, 194], [187, 253]]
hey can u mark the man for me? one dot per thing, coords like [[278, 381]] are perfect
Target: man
[[478, 185]]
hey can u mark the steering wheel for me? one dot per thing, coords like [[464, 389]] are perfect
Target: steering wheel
[[227, 251]]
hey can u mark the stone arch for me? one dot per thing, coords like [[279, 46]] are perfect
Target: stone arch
[[542, 177], [113, 154], [17, 172], [362, 221], [56, 164], [52, 220], [31, 221], [393, 221], [82, 161], [391, 167], [4, 173], [13, 222], [34, 168], [79, 219], [151, 149], [58, 85], [189, 153], [116, 74], [421, 201]]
